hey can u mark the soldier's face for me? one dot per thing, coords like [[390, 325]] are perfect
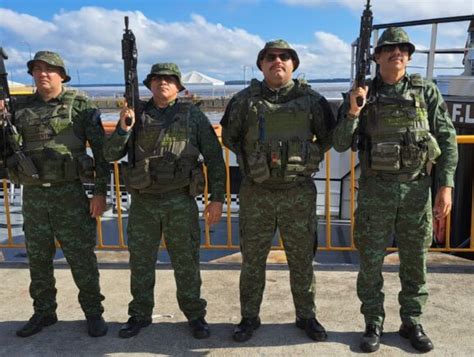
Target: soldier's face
[[164, 88], [393, 58], [277, 67], [47, 78]]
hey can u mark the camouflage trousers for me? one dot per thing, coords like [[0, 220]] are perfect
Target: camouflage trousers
[[293, 212], [404, 209], [61, 212], [175, 216]]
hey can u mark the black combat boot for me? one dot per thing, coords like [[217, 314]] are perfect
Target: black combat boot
[[244, 330], [417, 336], [133, 327], [370, 341], [96, 326], [200, 328], [36, 324], [313, 328]]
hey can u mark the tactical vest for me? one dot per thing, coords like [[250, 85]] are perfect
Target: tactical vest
[[398, 134], [49, 139], [165, 159], [279, 144]]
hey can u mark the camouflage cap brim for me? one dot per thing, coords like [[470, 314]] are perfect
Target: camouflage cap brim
[[278, 45], [52, 59], [166, 72]]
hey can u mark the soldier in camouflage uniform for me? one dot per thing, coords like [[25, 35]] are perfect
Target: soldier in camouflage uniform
[[163, 179], [279, 129], [53, 126], [403, 128]]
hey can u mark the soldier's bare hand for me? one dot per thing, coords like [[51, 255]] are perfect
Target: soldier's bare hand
[[354, 94], [126, 113], [97, 206], [443, 202], [213, 212], [2, 104], [439, 230]]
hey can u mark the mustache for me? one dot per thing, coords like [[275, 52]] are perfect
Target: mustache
[[277, 66], [396, 57]]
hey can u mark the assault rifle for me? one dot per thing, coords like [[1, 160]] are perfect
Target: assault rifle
[[129, 56], [363, 49], [9, 134]]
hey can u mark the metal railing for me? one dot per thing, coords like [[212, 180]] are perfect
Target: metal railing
[[207, 242]]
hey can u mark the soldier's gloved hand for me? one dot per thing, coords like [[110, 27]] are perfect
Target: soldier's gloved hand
[[355, 92], [213, 212], [97, 206], [126, 113]]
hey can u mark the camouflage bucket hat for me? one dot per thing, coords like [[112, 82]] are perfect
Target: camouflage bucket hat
[[51, 58], [170, 69], [394, 36], [279, 45]]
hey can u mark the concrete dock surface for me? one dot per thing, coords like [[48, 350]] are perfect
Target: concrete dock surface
[[448, 318]]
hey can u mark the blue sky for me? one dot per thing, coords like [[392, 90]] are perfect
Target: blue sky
[[219, 38]]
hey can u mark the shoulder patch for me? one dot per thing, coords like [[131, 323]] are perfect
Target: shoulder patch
[[255, 88], [310, 91], [184, 107], [416, 80], [95, 117]]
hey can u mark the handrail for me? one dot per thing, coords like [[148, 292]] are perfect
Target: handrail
[[437, 20], [208, 244]]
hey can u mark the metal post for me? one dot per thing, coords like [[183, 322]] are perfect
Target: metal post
[[353, 47], [373, 68], [431, 54]]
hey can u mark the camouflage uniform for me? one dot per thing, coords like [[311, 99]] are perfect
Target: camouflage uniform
[[54, 134], [168, 142], [395, 141], [279, 137]]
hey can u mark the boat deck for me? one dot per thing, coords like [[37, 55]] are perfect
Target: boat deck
[[448, 319]]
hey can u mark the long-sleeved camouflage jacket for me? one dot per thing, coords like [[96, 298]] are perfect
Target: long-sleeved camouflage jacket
[[87, 127], [441, 126], [235, 126], [201, 135]]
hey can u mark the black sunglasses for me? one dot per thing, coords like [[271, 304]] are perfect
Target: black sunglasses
[[391, 48], [270, 57], [165, 77]]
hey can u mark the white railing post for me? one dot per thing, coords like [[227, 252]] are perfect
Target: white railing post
[[431, 54]]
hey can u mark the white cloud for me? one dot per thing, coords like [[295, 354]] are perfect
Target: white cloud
[[386, 11], [326, 57], [25, 25], [398, 10], [90, 38]]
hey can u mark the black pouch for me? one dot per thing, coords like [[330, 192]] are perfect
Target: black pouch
[[258, 169], [85, 168], [163, 171], [52, 170], [385, 157], [413, 157], [197, 184], [295, 162], [138, 177], [313, 157]]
